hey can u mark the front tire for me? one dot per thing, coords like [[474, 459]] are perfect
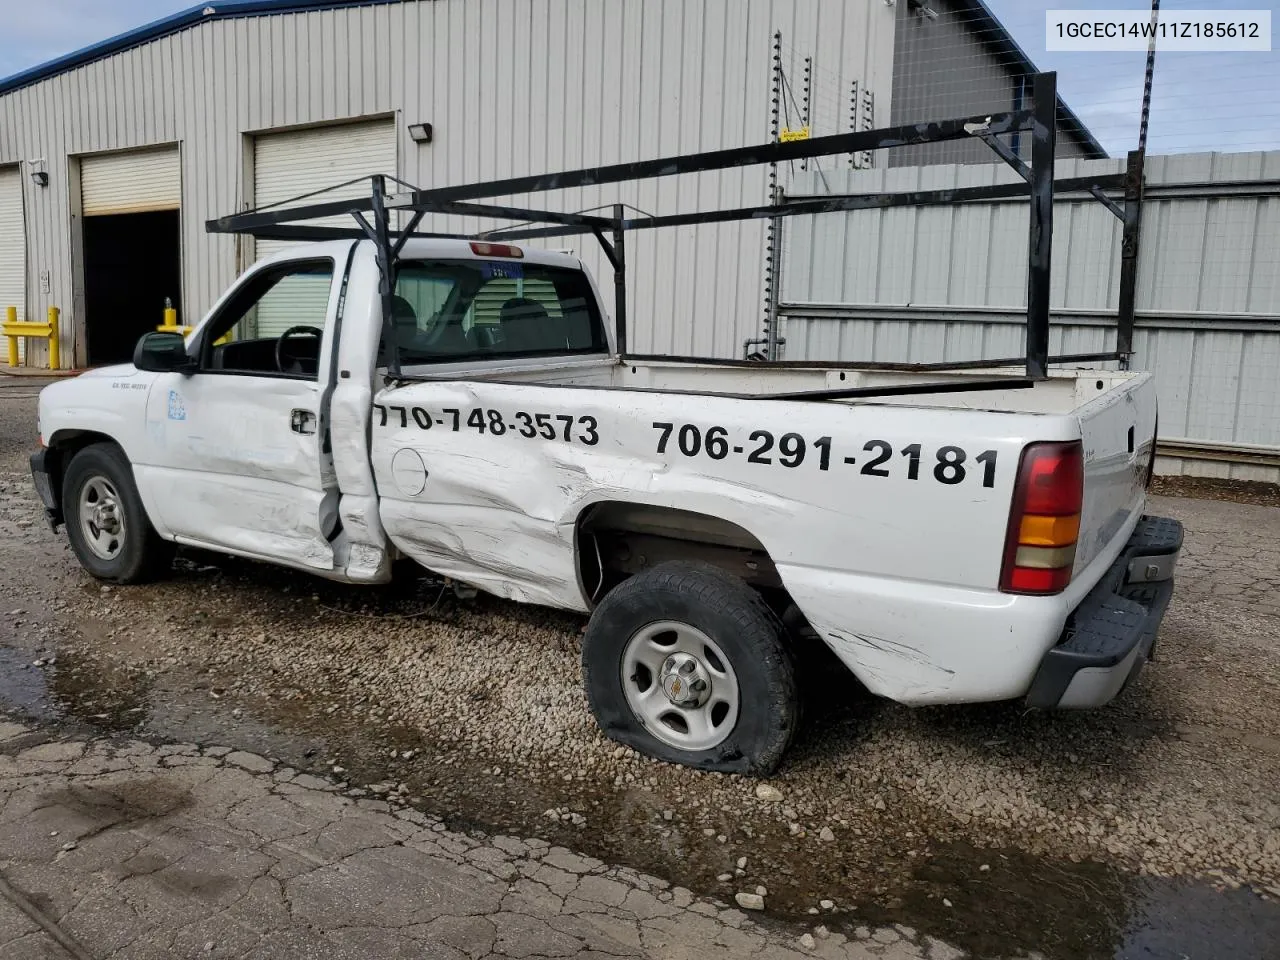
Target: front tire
[[108, 528], [687, 663]]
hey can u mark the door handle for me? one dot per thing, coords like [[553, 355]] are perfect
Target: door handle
[[302, 421]]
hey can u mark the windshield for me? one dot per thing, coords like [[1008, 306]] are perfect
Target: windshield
[[472, 309]]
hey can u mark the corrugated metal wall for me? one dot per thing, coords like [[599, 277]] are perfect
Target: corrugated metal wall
[[511, 86], [949, 283]]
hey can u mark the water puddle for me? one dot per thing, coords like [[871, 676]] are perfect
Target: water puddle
[[98, 693], [22, 685], [991, 902], [1080, 911]]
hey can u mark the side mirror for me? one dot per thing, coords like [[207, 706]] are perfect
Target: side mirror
[[162, 353]]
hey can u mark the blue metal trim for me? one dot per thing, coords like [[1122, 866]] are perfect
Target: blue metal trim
[[216, 10]]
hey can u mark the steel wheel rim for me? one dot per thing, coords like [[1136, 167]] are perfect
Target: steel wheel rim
[[102, 519], [704, 718]]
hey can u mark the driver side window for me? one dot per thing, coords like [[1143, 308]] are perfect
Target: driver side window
[[273, 324]]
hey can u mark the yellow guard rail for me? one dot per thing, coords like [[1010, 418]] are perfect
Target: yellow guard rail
[[13, 329]]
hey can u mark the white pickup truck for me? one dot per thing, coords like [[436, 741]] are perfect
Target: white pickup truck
[[948, 547]]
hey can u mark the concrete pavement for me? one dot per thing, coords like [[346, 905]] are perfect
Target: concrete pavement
[[125, 850]]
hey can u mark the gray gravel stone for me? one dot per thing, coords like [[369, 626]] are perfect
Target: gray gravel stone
[[938, 950], [249, 761]]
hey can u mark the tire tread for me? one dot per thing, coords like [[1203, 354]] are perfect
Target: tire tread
[[152, 556], [757, 628]]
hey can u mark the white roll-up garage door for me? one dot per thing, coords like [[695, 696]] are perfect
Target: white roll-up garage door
[[287, 165], [136, 181], [13, 248]]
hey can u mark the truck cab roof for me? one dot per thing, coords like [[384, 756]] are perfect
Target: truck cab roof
[[425, 248]]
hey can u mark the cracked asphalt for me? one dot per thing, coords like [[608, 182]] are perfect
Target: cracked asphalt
[[122, 849]]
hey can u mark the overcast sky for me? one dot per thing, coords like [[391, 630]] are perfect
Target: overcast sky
[[1202, 101]]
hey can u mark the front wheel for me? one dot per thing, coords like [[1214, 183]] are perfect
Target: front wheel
[[688, 664], [109, 530]]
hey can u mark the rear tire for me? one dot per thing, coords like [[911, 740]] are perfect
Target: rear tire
[[108, 528], [688, 664]]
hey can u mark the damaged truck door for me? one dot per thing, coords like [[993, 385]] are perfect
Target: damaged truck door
[[232, 455]]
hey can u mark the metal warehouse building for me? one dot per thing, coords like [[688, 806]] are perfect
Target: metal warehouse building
[[112, 158]]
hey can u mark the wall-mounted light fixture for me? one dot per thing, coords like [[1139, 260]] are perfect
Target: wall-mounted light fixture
[[420, 132], [38, 175]]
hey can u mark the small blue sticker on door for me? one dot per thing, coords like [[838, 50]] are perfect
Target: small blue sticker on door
[[177, 410]]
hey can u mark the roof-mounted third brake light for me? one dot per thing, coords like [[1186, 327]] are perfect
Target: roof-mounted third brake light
[[482, 249]]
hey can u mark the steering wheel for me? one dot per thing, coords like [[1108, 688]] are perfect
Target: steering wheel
[[283, 356]]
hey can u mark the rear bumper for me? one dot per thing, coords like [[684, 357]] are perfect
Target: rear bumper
[[43, 480], [1112, 633]]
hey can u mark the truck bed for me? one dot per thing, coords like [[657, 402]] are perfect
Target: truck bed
[[1065, 390], [884, 518]]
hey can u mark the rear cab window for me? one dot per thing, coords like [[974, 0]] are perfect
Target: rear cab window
[[453, 310]]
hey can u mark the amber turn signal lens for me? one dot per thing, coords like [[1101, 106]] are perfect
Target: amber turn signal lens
[[1049, 531]]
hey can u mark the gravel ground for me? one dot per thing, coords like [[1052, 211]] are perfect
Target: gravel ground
[[1212, 488], [475, 711]]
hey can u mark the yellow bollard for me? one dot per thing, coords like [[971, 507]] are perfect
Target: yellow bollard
[[54, 314], [11, 316], [170, 314]]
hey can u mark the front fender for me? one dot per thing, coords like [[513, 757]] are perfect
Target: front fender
[[108, 405]]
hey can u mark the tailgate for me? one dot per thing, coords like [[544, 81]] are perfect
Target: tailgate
[[1118, 432]]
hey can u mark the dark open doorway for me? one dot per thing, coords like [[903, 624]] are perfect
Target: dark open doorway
[[131, 263]]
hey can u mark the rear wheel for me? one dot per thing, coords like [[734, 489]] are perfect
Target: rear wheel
[[688, 664], [106, 523]]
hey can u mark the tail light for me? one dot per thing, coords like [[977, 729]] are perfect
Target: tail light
[[1044, 524], [495, 250]]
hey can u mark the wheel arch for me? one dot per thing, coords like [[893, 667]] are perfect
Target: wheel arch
[[656, 533], [59, 449], [616, 539]]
